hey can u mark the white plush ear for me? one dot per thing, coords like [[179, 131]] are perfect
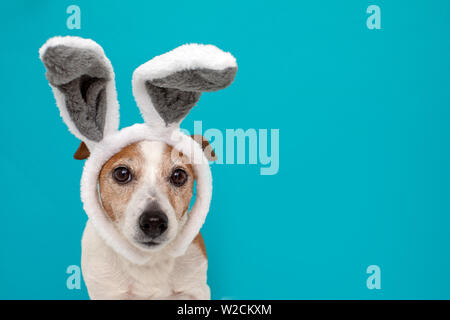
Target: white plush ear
[[169, 85], [82, 80]]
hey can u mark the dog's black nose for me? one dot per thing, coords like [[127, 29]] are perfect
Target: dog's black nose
[[153, 223]]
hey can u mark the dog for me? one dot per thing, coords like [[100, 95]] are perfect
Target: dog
[[142, 238], [146, 193]]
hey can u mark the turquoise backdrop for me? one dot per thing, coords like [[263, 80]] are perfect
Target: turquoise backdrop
[[364, 176]]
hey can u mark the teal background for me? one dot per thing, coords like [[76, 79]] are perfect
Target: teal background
[[364, 144]]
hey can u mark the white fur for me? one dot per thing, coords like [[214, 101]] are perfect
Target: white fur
[[148, 189], [109, 275]]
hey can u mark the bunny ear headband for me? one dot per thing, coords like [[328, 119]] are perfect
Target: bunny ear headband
[[165, 89]]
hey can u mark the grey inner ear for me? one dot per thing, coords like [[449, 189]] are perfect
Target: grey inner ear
[[172, 104], [175, 95], [82, 77], [86, 105]]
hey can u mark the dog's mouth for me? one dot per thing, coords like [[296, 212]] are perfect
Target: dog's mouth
[[150, 243]]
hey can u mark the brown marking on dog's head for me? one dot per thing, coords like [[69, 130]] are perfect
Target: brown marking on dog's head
[[207, 148], [115, 196]]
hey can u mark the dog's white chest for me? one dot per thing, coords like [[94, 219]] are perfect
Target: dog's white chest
[[109, 276], [150, 282]]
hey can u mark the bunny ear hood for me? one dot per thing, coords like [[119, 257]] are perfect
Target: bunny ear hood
[[165, 89]]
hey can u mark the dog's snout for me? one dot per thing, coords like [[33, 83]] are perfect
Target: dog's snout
[[153, 223]]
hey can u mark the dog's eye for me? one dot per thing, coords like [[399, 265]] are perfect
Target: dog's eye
[[122, 175], [178, 177]]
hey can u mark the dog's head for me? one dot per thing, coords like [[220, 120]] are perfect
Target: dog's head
[[145, 188]]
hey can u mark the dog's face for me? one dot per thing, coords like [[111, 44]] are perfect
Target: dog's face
[[146, 190]]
